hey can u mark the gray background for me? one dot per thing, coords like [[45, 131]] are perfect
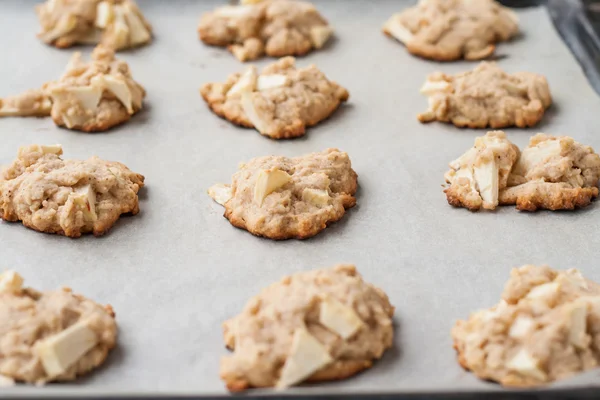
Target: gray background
[[174, 272]]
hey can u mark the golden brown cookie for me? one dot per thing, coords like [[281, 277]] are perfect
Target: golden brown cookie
[[283, 198], [66, 197], [553, 173], [280, 102], [116, 24], [51, 336], [89, 97], [319, 325], [545, 328], [486, 97], [275, 27], [447, 30]]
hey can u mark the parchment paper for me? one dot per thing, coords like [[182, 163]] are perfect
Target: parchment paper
[[177, 270]]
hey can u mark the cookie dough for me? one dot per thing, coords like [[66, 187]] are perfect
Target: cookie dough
[[545, 328], [275, 27], [447, 30], [280, 102], [90, 96], [486, 97], [66, 197], [117, 24], [320, 325], [283, 198], [553, 172], [51, 336]]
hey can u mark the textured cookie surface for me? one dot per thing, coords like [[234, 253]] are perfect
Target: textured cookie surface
[[117, 24], [283, 198], [486, 97], [67, 197], [275, 27], [318, 325], [545, 328], [553, 172], [51, 336], [447, 30], [90, 96], [280, 102]]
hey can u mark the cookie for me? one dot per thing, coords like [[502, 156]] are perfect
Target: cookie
[[280, 102], [448, 30], [283, 198], [51, 336], [89, 97], [117, 24], [319, 325], [275, 27], [486, 97], [544, 329], [66, 197], [553, 173]]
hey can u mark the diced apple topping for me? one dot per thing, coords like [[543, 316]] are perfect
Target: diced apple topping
[[233, 11], [138, 33], [485, 172], [252, 114], [246, 83], [52, 149], [546, 292], [520, 327], [532, 156], [10, 282], [220, 193], [116, 86], [317, 197], [339, 318], [307, 356], [319, 35], [58, 352], [526, 365], [267, 182], [266, 82], [430, 88], [87, 96], [65, 25], [104, 14], [578, 323], [85, 198], [394, 28]]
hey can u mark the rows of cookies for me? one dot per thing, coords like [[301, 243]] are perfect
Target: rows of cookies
[[323, 324]]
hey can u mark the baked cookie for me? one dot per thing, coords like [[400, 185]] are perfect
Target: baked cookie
[[283, 198], [486, 96], [545, 328], [117, 24], [447, 30], [280, 102], [554, 173], [89, 97], [318, 325], [67, 197], [51, 336], [275, 27]]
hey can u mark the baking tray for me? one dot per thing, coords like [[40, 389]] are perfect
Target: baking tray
[[177, 270]]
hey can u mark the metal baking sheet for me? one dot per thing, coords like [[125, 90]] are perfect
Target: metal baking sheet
[[177, 270]]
